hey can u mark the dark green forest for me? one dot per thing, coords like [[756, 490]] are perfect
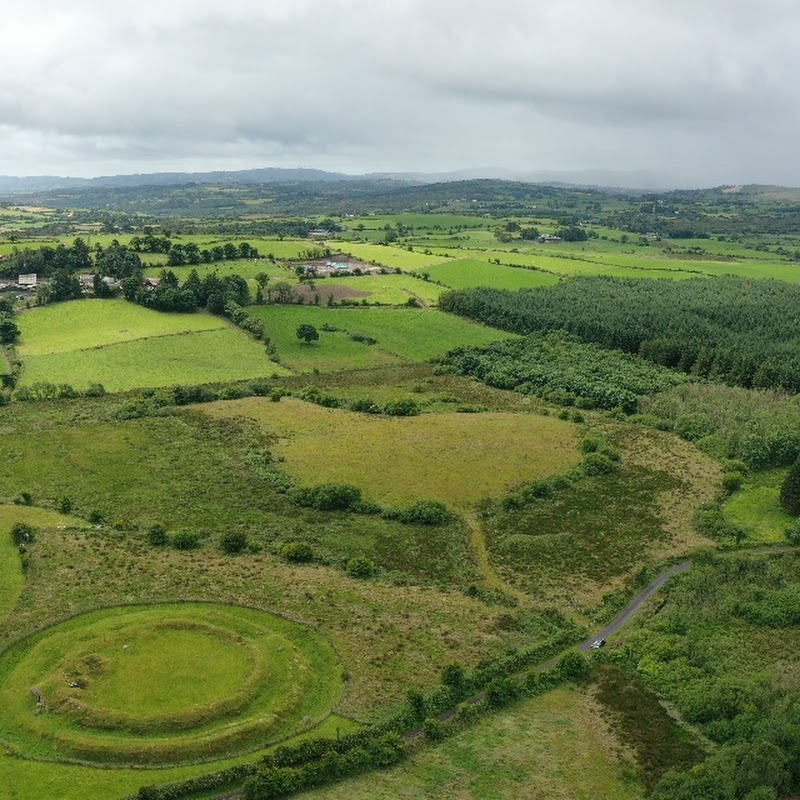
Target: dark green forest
[[730, 330]]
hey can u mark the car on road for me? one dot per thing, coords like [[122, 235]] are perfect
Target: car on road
[[598, 643]]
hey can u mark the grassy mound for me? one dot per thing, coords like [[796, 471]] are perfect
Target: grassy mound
[[164, 684]]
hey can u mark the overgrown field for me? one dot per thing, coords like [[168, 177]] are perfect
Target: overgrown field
[[588, 539], [558, 746], [12, 578], [455, 458]]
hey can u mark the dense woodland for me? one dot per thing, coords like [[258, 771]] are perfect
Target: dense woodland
[[745, 333]]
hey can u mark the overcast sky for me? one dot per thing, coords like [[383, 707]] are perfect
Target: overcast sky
[[696, 92]]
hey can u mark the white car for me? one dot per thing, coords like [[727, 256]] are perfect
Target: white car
[[598, 643]]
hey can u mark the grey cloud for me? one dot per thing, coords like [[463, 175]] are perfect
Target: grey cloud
[[705, 88]]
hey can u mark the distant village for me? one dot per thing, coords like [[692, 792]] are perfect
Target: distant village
[[27, 285]]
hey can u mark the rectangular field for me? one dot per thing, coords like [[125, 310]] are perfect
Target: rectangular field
[[402, 334], [83, 324], [389, 256], [559, 746], [467, 273], [193, 357], [387, 290]]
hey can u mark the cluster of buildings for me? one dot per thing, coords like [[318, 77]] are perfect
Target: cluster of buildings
[[25, 285], [327, 269]]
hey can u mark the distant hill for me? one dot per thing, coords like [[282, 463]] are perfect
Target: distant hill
[[46, 183]]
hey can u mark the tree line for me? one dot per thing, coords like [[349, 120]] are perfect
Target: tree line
[[730, 330]]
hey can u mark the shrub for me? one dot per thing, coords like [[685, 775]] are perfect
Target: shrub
[[297, 552], [157, 536], [790, 491], [424, 512], [65, 505], [260, 388], [597, 464], [185, 540], [233, 542], [22, 533], [328, 497], [365, 407], [793, 534], [23, 499], [433, 729], [360, 567], [95, 517], [732, 481], [401, 408]]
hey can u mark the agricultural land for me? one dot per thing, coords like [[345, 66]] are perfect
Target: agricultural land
[[471, 491]]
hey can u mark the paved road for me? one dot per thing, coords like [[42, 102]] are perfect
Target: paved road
[[624, 616]]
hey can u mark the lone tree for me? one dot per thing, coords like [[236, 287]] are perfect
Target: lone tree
[[308, 333], [790, 491]]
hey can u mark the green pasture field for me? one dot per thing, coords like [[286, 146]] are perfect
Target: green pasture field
[[12, 578], [560, 746], [401, 333], [246, 268], [164, 684], [389, 256], [390, 290], [192, 358], [419, 221], [85, 324], [468, 273], [457, 459], [756, 507]]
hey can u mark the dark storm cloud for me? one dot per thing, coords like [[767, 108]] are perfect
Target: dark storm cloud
[[697, 92]]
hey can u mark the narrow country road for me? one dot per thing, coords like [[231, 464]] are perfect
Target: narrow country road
[[624, 616]]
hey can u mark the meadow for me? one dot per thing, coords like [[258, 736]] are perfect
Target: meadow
[[189, 358], [68, 327], [457, 459], [467, 273], [400, 334], [756, 508]]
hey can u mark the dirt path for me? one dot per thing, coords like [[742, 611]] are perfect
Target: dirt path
[[488, 576]]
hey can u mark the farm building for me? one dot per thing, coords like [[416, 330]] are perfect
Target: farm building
[[29, 280]]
